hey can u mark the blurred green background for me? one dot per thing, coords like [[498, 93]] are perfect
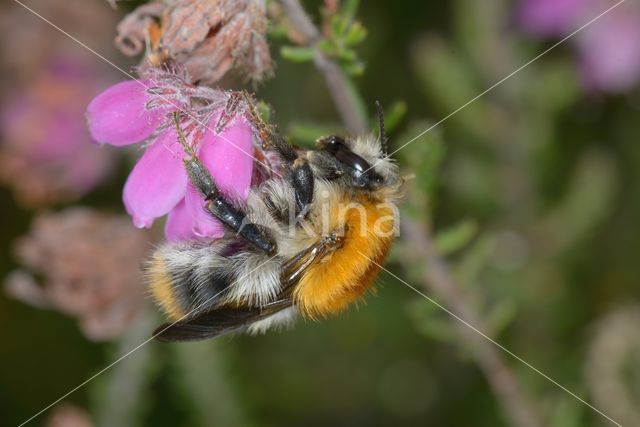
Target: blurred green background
[[532, 192]]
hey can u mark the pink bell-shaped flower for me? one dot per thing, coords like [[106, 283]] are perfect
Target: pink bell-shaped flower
[[119, 116]]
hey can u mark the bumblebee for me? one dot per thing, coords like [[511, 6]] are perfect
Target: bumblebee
[[306, 243]]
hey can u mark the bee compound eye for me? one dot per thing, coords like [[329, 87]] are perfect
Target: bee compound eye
[[352, 160], [331, 143]]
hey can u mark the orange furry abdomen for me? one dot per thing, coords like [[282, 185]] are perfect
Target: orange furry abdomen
[[162, 288], [347, 273]]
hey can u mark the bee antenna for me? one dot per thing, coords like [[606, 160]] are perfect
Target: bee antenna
[[382, 137]]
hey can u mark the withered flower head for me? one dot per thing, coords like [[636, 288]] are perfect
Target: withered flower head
[[67, 415], [208, 37], [90, 265], [27, 42], [612, 369]]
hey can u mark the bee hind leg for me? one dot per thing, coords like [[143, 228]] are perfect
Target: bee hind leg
[[302, 180], [268, 134], [223, 210], [216, 204], [301, 175]]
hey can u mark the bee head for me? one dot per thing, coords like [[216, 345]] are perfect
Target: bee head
[[358, 163]]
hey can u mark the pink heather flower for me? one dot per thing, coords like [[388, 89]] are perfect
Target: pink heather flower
[[45, 155], [549, 17], [131, 112], [609, 48], [118, 116]]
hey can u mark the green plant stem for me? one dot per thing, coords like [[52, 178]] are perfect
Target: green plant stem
[[335, 79], [120, 399], [439, 281], [438, 277], [203, 372]]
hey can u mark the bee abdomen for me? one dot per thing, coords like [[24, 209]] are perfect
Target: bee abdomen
[[185, 282]]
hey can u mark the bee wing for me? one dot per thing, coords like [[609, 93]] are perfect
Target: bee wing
[[224, 320], [295, 268], [217, 322]]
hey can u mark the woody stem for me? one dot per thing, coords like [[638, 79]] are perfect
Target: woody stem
[[334, 77]]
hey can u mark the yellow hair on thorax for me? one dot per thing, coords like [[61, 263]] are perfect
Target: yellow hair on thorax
[[345, 275]]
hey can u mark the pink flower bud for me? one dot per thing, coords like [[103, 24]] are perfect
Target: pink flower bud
[[118, 116], [608, 48], [550, 17]]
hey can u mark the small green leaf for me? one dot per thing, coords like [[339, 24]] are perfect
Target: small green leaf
[[349, 9], [475, 260], [393, 115], [437, 328], [354, 68], [429, 320], [423, 160], [297, 54], [455, 238], [339, 26], [327, 47], [277, 32], [356, 34], [347, 55], [264, 110], [308, 133], [588, 201], [500, 316], [566, 413], [450, 82], [356, 100]]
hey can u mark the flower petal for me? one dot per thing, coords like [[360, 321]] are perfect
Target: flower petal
[[229, 158], [203, 223], [610, 49], [550, 17], [157, 182], [179, 224], [118, 115]]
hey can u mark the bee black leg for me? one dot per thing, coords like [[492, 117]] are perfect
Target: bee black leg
[[268, 134], [301, 175], [216, 204], [224, 211], [302, 181], [285, 150]]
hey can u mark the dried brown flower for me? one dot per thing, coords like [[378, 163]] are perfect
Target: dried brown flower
[[134, 29], [209, 37], [328, 10], [27, 42], [46, 155], [90, 264], [612, 365], [67, 415]]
